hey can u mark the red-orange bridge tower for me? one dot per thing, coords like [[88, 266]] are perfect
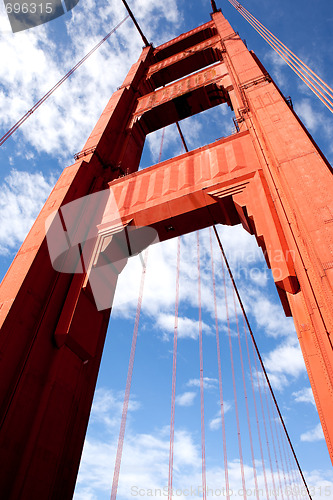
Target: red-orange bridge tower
[[269, 176]]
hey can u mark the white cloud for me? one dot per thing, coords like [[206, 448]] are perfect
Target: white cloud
[[305, 395], [146, 457], [307, 114], [284, 364], [278, 66], [21, 197], [269, 315], [33, 62], [313, 118], [107, 407], [216, 422], [321, 483], [315, 434], [171, 137], [208, 383], [160, 286], [285, 359], [259, 277], [187, 327], [186, 399]]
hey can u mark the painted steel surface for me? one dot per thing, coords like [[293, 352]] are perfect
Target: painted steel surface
[[270, 176]]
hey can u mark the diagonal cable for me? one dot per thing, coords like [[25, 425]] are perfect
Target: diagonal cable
[[255, 345]]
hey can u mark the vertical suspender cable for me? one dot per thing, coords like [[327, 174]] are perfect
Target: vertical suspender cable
[[128, 385], [256, 411], [246, 401], [272, 434], [290, 478], [279, 447], [280, 451], [161, 148], [264, 419], [203, 452], [255, 346], [281, 437], [226, 472], [234, 384], [294, 478], [174, 369]]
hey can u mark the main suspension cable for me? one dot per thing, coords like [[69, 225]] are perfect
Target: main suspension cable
[[257, 24], [309, 77], [264, 419], [261, 360], [256, 410], [272, 434], [130, 13], [13, 129], [174, 370], [182, 137], [246, 400], [234, 385], [279, 447], [294, 65], [203, 452]]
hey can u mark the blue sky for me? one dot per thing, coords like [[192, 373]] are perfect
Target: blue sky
[[31, 63]]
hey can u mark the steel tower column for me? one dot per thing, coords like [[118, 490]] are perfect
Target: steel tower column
[[270, 176]]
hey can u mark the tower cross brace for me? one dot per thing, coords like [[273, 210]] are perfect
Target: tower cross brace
[[269, 176]]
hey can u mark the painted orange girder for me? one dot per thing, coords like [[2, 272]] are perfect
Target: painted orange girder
[[270, 177]]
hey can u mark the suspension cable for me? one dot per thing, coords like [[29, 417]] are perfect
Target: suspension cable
[[182, 137], [290, 479], [277, 436], [203, 452], [226, 472], [292, 54], [272, 434], [272, 38], [264, 419], [13, 129], [234, 383], [174, 370], [128, 384], [313, 81], [261, 360], [256, 410], [246, 400], [294, 478], [161, 147], [294, 65], [130, 13]]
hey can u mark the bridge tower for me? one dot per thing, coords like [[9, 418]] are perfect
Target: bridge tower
[[269, 175]]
